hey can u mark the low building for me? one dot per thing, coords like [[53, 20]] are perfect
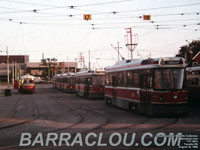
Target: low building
[[20, 65], [22, 59], [17, 66], [49, 70]]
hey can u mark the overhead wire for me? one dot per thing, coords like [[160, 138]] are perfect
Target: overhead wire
[[27, 3], [111, 2], [96, 25]]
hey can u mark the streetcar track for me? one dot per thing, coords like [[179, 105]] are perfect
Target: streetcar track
[[101, 114], [36, 115], [76, 111], [121, 128], [107, 120], [161, 127], [100, 125], [13, 110]]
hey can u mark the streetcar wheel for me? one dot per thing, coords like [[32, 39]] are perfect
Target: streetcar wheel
[[108, 101], [133, 107]]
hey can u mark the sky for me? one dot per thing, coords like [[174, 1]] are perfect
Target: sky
[[57, 29]]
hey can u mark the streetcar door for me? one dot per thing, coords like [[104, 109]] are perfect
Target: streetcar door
[[145, 93], [88, 82], [78, 86], [114, 90]]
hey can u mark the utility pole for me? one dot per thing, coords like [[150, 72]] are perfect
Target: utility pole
[[75, 66], [117, 49], [81, 60], [89, 59], [67, 64], [19, 72], [13, 71], [8, 70], [48, 62]]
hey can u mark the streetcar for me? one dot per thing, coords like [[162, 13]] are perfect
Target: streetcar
[[26, 84], [59, 82], [90, 83], [151, 86], [193, 82], [68, 80], [56, 81]]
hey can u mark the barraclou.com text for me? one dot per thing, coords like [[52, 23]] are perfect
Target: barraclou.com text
[[93, 139]]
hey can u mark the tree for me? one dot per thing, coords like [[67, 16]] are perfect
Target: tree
[[189, 50], [50, 63]]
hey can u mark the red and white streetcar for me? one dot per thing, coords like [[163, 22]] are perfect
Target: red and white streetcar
[[90, 84], [64, 82], [193, 80], [56, 81], [68, 80], [26, 84], [151, 86]]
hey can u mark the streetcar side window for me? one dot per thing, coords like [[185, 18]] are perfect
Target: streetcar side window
[[73, 80], [193, 81], [124, 78], [129, 79], [82, 80], [120, 79], [147, 81], [88, 81], [99, 80], [110, 79], [77, 80], [107, 79], [136, 79]]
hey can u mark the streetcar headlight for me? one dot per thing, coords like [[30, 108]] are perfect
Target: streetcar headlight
[[175, 96]]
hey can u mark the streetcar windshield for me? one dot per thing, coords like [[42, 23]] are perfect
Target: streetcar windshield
[[98, 80], [28, 82], [169, 79], [72, 81]]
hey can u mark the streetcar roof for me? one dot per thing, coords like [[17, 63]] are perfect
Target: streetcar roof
[[68, 74], [90, 72], [27, 76], [195, 68], [147, 63], [64, 75]]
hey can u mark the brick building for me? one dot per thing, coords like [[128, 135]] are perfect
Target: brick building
[[20, 65], [22, 59], [17, 66], [44, 71]]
